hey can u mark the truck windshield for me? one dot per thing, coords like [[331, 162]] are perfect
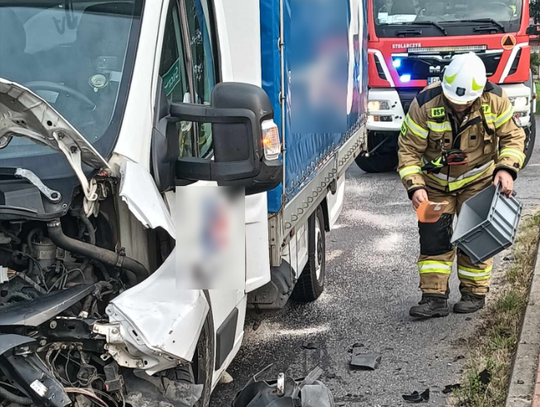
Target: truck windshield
[[450, 17], [78, 56]]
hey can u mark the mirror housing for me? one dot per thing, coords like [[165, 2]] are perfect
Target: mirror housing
[[165, 143], [237, 113], [533, 30]]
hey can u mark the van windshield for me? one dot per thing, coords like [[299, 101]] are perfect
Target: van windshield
[[458, 17], [78, 56]]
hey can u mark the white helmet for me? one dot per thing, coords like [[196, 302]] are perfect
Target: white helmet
[[464, 79]]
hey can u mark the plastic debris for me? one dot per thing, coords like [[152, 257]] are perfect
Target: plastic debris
[[484, 377], [310, 345], [450, 388], [369, 360], [225, 378], [416, 397], [310, 392]]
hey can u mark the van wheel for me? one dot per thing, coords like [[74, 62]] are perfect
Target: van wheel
[[202, 371], [376, 163], [310, 285], [530, 141]]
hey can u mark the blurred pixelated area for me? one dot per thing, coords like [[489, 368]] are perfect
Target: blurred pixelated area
[[210, 245], [320, 66]]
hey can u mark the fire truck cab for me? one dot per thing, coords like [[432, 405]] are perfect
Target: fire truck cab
[[412, 41]]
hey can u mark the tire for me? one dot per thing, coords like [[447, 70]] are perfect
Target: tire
[[376, 163], [531, 140], [310, 285], [202, 371]]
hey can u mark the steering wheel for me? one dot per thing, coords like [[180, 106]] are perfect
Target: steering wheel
[[59, 88]]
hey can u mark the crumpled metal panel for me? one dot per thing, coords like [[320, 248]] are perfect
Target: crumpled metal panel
[[158, 320]]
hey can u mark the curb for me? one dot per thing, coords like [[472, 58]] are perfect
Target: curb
[[525, 375]]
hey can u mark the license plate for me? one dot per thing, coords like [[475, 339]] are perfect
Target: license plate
[[433, 79]]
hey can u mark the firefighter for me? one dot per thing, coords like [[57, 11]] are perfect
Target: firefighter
[[458, 138]]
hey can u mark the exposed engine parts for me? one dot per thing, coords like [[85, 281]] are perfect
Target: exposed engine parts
[[56, 281]]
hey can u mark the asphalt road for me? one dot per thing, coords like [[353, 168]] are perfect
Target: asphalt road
[[372, 282]]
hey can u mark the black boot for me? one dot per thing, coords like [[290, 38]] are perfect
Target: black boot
[[430, 307], [469, 303]]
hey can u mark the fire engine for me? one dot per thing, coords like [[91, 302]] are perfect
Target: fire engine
[[412, 41]]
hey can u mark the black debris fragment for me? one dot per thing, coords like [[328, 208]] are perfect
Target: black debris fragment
[[310, 345], [368, 360], [484, 377], [425, 395], [416, 397], [450, 388]]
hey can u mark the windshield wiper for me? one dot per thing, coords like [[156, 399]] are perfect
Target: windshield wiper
[[433, 23], [481, 20]]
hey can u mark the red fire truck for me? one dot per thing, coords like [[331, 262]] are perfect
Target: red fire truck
[[412, 41]]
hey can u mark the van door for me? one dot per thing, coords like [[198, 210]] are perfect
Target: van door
[[188, 71]]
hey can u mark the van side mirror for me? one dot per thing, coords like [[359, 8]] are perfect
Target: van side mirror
[[533, 30], [245, 139]]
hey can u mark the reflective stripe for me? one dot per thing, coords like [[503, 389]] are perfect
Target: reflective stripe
[[471, 175], [503, 118], [460, 183], [438, 267], [475, 274], [491, 118], [439, 127], [413, 169], [512, 152], [415, 128]]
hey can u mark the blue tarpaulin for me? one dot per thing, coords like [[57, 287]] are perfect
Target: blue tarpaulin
[[306, 39]]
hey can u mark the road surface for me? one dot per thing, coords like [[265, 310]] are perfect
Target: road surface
[[372, 282]]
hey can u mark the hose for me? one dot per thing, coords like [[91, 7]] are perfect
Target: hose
[[105, 274], [36, 286], [89, 227], [9, 396], [96, 253], [91, 233]]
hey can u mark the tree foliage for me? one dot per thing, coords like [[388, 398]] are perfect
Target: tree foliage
[[535, 10]]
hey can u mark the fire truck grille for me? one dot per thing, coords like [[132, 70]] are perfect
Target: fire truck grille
[[424, 66]]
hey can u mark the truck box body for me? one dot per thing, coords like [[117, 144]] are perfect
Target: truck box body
[[305, 152]]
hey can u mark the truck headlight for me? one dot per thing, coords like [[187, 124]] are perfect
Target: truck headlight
[[270, 140], [375, 105], [521, 101]]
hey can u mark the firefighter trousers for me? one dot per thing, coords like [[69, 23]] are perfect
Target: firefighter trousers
[[437, 254]]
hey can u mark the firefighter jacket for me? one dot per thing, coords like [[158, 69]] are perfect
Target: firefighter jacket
[[487, 133]]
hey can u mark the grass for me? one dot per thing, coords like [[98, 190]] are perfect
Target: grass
[[496, 340]]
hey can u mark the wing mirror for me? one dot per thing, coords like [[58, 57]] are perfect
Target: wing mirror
[[533, 30], [246, 141]]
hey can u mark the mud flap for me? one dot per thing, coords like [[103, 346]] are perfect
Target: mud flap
[[275, 294]]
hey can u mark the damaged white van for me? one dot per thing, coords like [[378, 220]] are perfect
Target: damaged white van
[[107, 110]]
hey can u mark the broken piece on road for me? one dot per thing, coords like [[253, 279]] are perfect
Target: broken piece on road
[[369, 360], [450, 388], [416, 397]]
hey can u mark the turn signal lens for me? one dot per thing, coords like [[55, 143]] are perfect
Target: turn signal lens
[[270, 140]]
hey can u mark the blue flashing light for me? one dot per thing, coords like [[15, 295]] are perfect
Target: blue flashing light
[[396, 63], [405, 78]]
